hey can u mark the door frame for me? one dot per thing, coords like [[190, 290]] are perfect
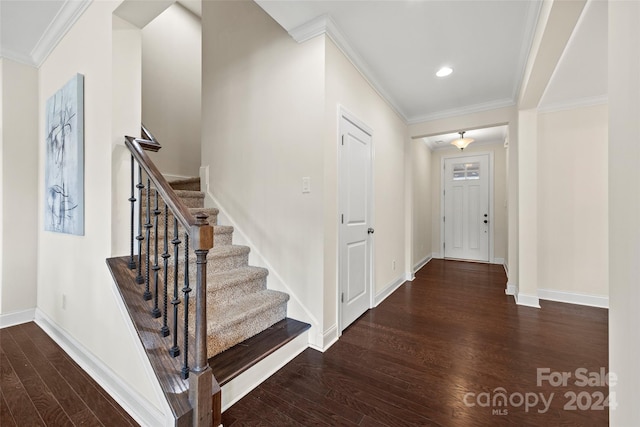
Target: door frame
[[491, 198], [343, 113]]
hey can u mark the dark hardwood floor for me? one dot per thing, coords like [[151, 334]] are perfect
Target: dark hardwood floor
[[450, 335], [40, 385]]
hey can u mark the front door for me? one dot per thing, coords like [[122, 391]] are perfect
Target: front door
[[466, 208], [356, 234]]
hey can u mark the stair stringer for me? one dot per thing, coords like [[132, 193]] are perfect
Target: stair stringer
[[241, 385], [296, 309]]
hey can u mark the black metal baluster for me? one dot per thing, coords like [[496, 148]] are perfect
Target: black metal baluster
[[132, 199], [175, 350], [156, 212], [186, 290], [139, 237], [147, 226], [164, 331]]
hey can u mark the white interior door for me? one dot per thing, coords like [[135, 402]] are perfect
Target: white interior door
[[356, 234], [466, 208]]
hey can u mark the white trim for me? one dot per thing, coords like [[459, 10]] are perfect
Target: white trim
[[20, 57], [575, 103], [389, 289], [506, 268], [470, 109], [171, 177], [17, 318], [66, 17], [238, 387], [527, 300], [256, 258], [329, 338], [511, 289], [131, 401], [600, 301], [424, 261], [325, 25]]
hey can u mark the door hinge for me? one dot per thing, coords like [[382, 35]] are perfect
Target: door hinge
[[341, 218], [342, 139], [444, 219], [444, 192], [342, 297]]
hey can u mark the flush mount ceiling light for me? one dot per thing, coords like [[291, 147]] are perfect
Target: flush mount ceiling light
[[462, 142], [444, 71]]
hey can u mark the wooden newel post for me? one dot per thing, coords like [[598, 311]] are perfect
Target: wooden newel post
[[201, 378]]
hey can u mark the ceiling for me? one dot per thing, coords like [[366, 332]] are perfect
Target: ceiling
[[397, 44]]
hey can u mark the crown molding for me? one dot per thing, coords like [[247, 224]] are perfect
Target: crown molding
[[325, 25], [66, 17], [534, 9], [17, 57], [470, 109], [589, 101]]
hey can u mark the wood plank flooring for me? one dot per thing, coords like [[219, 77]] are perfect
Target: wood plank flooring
[[450, 334], [40, 385]]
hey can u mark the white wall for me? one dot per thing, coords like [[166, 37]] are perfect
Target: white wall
[[422, 201], [346, 87], [263, 116], [74, 266], [19, 172], [171, 89], [572, 201], [624, 209], [499, 207]]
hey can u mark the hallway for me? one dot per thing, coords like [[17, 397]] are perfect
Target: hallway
[[434, 353]]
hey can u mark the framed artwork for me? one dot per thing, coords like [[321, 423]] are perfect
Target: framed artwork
[[64, 159]]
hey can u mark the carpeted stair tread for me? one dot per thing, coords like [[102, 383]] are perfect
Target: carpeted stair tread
[[222, 234], [235, 277], [243, 318], [192, 183], [191, 199], [243, 309], [227, 286]]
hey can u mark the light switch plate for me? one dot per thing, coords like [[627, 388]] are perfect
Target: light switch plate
[[306, 184]]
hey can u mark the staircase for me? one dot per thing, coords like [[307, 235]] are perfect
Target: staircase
[[203, 315], [239, 305]]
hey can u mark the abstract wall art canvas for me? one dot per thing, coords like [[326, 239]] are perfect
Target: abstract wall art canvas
[[64, 159]]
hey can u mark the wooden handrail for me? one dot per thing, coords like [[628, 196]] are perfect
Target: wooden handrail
[[200, 233]]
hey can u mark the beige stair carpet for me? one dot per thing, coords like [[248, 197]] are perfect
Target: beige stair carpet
[[239, 305]]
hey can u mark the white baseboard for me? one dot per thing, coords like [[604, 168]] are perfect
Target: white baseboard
[[600, 301], [131, 401], [329, 338], [527, 300], [171, 177], [17, 318], [498, 261], [424, 261], [506, 269], [511, 288], [388, 290], [238, 387]]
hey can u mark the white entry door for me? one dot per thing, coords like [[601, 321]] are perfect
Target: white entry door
[[355, 232], [466, 208]]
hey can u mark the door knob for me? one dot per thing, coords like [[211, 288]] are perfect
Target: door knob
[[370, 230]]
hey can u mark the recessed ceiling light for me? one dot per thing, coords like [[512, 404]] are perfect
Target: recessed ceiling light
[[444, 71]]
